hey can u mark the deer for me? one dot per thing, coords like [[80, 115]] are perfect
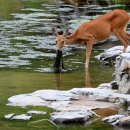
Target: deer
[[97, 30]]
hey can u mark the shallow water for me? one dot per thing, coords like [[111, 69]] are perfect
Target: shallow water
[[27, 53]]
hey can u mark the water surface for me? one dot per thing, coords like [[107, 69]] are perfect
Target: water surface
[[27, 54]]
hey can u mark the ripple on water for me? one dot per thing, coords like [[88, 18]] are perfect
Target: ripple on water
[[28, 35]]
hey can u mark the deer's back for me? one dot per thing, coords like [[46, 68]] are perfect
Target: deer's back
[[103, 26]]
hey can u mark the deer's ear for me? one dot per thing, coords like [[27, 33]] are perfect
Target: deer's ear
[[54, 32], [67, 32]]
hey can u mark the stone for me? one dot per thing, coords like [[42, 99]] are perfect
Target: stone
[[109, 55], [105, 85], [114, 85], [41, 98], [9, 116], [36, 112], [55, 95], [114, 119], [124, 122], [71, 117], [122, 67], [21, 117], [26, 100], [122, 72]]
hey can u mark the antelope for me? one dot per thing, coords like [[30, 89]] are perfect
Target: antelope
[[99, 29]]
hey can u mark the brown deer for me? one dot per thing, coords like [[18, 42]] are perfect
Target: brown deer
[[99, 29]]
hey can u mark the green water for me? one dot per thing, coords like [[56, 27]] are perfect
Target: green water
[[16, 78]]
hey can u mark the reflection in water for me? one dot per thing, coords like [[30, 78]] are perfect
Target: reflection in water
[[59, 80], [58, 77], [87, 79], [75, 1]]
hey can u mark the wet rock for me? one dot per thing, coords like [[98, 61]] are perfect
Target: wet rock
[[21, 117], [122, 67], [109, 55], [41, 98], [124, 122], [114, 119], [114, 85], [122, 72], [105, 85], [55, 95], [9, 116], [36, 112], [71, 117], [50, 70], [26, 100]]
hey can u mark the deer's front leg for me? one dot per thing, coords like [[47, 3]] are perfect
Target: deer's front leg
[[88, 53]]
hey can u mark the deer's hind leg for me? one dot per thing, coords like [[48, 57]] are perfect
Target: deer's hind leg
[[122, 38]]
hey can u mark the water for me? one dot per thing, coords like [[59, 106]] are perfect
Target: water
[[27, 53]]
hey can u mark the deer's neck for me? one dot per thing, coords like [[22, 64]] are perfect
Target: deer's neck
[[71, 39]]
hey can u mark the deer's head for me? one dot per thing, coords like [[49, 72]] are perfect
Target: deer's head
[[59, 39]]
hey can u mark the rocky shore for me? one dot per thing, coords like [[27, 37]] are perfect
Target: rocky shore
[[78, 105], [121, 63], [85, 105]]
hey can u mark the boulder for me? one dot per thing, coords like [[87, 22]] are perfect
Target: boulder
[[122, 72], [21, 117], [109, 56], [122, 67], [71, 117], [114, 119], [9, 116], [124, 122]]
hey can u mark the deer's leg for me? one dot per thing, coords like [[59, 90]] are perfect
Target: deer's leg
[[122, 38], [88, 53]]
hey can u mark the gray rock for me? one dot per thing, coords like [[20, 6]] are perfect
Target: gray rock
[[122, 73], [109, 56], [37, 112], [21, 117], [9, 116], [71, 117], [114, 85], [114, 119], [124, 122]]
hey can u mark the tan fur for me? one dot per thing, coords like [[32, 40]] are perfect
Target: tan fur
[[101, 28]]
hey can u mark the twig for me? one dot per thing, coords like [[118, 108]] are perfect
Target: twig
[[43, 120]]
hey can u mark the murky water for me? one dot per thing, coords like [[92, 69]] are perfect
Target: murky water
[[27, 53]]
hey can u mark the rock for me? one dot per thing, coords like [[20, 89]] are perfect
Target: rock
[[94, 93], [41, 98], [122, 72], [114, 119], [105, 85], [9, 116], [109, 55], [21, 117], [71, 117], [36, 112], [114, 85], [128, 108], [55, 95], [124, 122], [122, 67], [26, 100]]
